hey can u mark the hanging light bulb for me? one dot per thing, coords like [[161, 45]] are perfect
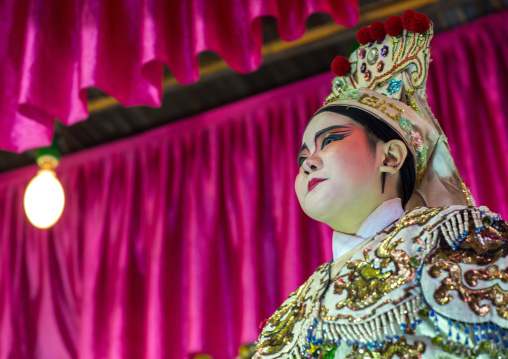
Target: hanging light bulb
[[44, 198]]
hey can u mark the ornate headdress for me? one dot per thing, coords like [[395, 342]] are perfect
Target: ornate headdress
[[386, 77]]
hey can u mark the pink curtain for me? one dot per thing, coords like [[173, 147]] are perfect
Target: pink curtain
[[467, 89], [52, 50], [183, 239]]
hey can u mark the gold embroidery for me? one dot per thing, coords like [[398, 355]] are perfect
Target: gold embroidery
[[285, 318], [400, 349], [368, 283], [489, 273], [272, 341], [351, 319], [474, 298], [376, 103]]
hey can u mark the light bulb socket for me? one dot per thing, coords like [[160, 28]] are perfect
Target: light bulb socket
[[48, 157]]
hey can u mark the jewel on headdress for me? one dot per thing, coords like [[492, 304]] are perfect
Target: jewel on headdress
[[363, 36], [363, 68], [384, 51], [393, 26], [380, 66], [377, 30], [372, 56], [367, 75], [361, 53], [341, 66], [394, 86]]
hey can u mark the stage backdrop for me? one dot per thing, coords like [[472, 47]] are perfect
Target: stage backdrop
[[185, 238]]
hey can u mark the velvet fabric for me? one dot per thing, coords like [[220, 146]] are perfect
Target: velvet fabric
[[51, 51], [183, 239]]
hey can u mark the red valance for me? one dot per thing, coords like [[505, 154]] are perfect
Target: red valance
[[52, 50]]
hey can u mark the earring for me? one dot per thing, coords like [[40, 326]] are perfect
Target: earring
[[383, 177]]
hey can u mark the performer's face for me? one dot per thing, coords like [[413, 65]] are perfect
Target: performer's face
[[339, 182]]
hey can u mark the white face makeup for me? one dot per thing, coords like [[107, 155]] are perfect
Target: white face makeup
[[339, 182]]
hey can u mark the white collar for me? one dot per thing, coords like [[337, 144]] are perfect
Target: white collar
[[385, 214]]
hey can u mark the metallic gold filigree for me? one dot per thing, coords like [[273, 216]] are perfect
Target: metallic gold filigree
[[489, 273], [368, 281], [285, 318], [283, 321], [474, 298]]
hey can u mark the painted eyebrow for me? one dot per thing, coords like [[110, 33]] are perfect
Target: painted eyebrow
[[323, 131], [304, 147]]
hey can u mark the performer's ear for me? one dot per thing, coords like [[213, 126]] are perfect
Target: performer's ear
[[394, 155]]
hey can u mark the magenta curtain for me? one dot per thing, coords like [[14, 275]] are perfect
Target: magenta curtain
[[52, 50], [467, 89], [183, 239]]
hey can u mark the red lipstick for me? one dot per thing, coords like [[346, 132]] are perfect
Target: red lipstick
[[314, 182]]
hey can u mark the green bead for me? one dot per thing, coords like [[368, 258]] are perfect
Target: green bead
[[495, 354], [448, 348], [423, 313], [487, 221], [413, 261], [437, 341], [485, 347], [330, 354]]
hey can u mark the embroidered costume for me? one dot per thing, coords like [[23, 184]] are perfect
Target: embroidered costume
[[434, 284]]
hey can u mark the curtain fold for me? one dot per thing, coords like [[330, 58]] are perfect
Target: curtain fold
[[53, 50], [183, 239]]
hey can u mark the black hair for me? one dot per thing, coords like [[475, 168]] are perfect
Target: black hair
[[378, 130]]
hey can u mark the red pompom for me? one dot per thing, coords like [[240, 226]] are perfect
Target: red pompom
[[420, 23], [407, 17], [377, 30], [363, 36], [393, 26], [341, 66]]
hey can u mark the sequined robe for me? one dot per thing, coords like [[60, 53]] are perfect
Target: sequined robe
[[433, 285]]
